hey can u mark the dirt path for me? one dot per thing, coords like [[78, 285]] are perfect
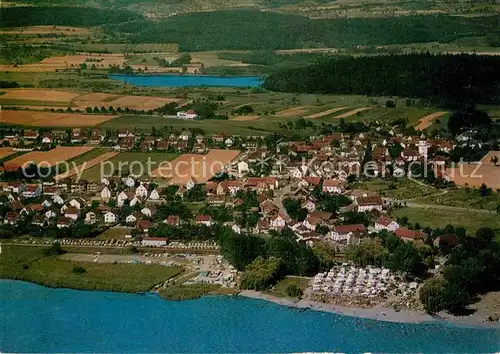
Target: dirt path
[[426, 121]]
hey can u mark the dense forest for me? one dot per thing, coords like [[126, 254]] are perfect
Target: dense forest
[[442, 79], [62, 16], [257, 30]]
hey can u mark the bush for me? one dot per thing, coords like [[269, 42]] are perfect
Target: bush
[[431, 295], [294, 291], [78, 270], [54, 250]]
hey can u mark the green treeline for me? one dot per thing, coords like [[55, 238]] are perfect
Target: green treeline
[[442, 79], [62, 16], [247, 29]]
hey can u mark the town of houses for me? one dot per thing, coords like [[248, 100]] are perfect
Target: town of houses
[[275, 171]]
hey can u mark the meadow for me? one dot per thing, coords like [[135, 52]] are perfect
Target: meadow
[[33, 265], [433, 217]]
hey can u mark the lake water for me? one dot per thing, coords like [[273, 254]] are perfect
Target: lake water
[[189, 80], [35, 318]]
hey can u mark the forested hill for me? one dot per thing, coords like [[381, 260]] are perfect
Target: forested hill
[[443, 79], [256, 30], [62, 16]]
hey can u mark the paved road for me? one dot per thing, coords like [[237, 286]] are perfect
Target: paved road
[[279, 196]]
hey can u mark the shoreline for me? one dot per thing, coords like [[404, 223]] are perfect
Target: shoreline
[[378, 313]]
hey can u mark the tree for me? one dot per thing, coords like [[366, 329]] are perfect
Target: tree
[[431, 294], [325, 252], [494, 160], [54, 250], [261, 274], [468, 118], [484, 190]]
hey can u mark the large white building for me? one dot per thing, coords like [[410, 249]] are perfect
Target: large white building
[[189, 114]]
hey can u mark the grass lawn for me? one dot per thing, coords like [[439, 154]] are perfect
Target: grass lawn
[[31, 264], [115, 233], [400, 188], [465, 198], [283, 284], [128, 161], [433, 217]]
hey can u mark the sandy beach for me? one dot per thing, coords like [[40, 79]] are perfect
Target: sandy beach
[[379, 313]]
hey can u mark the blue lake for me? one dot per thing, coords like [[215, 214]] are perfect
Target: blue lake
[[38, 319], [189, 80]]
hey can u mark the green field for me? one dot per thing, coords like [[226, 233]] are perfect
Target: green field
[[128, 161], [31, 264], [114, 233], [432, 217]]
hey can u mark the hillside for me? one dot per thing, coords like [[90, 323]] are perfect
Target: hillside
[[307, 8]]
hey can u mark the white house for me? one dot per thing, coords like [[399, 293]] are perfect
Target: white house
[[141, 191], [154, 195], [148, 211], [296, 173], [311, 222], [57, 199], [121, 198], [134, 201], [228, 142], [332, 186], [90, 218], [369, 204], [242, 168], [78, 203], [105, 194], [278, 222], [385, 223], [189, 114], [346, 233], [130, 182], [131, 219], [184, 136], [109, 217], [190, 184], [203, 220], [309, 205]]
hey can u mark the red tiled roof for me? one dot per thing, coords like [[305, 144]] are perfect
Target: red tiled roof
[[403, 232], [345, 229], [384, 220], [202, 217], [377, 200]]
